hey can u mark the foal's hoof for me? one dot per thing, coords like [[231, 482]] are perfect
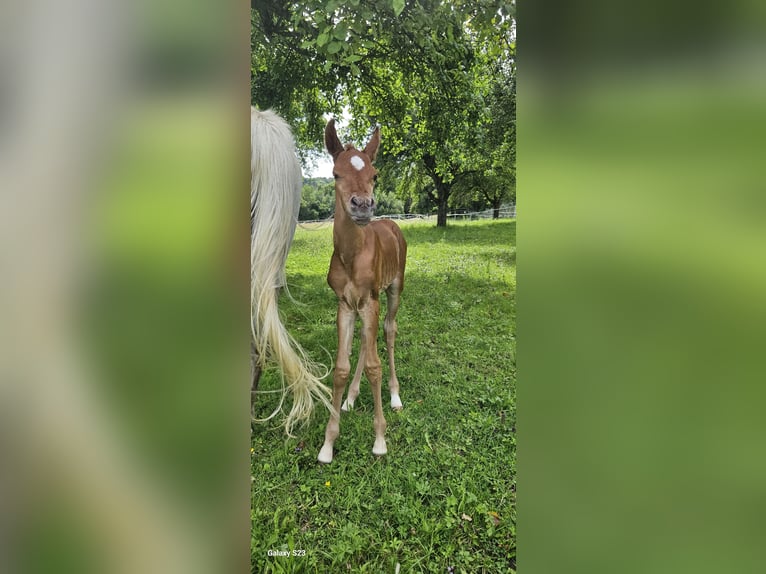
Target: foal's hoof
[[379, 448], [325, 455], [396, 403], [347, 406]]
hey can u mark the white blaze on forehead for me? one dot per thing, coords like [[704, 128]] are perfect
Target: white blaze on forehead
[[357, 162]]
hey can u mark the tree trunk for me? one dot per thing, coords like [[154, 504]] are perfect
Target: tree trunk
[[443, 190], [441, 212], [496, 209]]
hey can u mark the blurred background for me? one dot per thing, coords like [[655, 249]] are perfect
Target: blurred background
[[124, 400], [642, 274], [641, 311]]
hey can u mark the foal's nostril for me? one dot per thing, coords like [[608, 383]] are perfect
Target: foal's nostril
[[354, 201]]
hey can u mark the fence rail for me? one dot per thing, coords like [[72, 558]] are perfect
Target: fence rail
[[507, 211]]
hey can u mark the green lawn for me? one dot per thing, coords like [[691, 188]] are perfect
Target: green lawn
[[444, 495]]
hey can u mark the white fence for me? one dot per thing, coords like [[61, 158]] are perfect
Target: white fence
[[506, 211]]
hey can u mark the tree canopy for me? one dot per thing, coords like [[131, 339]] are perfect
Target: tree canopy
[[439, 77]]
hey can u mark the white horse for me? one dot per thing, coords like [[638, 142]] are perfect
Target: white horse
[[275, 196]]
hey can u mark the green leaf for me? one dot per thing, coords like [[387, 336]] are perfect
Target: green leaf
[[340, 31], [398, 6], [334, 47], [322, 39]]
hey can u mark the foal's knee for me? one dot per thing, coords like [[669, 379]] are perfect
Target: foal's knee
[[341, 376], [342, 372], [373, 369]]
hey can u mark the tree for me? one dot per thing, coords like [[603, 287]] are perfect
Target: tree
[[425, 69], [494, 175], [317, 199]]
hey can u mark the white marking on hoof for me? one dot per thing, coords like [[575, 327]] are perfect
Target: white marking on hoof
[[396, 402], [379, 448], [357, 162], [347, 405], [325, 455]]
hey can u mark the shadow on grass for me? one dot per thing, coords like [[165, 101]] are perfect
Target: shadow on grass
[[473, 233]]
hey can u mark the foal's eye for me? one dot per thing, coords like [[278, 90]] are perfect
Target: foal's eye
[[335, 175]]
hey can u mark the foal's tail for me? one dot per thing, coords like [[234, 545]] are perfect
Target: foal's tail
[[275, 195]]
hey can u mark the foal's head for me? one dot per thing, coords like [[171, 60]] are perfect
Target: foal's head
[[354, 174]]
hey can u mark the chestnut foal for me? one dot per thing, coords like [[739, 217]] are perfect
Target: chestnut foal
[[368, 257]]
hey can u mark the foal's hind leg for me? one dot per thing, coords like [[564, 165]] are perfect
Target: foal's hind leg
[[389, 328], [373, 371], [353, 389]]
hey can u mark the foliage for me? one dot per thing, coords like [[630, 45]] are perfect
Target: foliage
[[493, 178], [445, 494], [317, 199], [439, 76], [388, 203]]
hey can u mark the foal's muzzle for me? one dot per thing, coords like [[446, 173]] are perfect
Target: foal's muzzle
[[361, 209]]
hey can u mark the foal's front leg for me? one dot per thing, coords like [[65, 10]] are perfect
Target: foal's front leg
[[346, 319], [373, 370]]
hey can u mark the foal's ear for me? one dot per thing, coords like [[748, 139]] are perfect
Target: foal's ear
[[331, 141], [371, 149]]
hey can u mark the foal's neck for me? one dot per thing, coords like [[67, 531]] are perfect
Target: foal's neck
[[348, 237]]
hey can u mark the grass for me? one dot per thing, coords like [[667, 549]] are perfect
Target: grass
[[443, 499]]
